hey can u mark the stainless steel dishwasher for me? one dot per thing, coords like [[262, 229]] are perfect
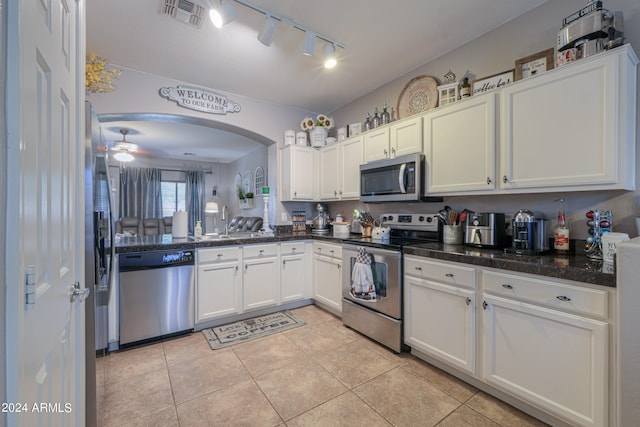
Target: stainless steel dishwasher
[[156, 294]]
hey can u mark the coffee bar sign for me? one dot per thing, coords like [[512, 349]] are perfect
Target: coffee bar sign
[[200, 99]]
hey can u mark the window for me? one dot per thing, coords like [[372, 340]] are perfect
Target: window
[[173, 197]]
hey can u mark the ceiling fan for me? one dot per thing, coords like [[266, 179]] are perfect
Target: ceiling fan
[[123, 149]]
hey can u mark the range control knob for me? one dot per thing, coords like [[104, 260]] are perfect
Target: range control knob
[[390, 218], [429, 219], [421, 218], [384, 218]]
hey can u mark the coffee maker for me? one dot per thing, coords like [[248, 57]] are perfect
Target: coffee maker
[[529, 234]]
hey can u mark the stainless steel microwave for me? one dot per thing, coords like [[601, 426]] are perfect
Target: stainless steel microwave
[[401, 179]]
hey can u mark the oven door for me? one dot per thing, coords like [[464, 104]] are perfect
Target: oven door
[[379, 290]]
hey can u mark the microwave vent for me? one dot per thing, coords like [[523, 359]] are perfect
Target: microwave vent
[[185, 11]]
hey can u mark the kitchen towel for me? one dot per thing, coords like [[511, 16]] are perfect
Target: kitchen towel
[[363, 287], [180, 227]]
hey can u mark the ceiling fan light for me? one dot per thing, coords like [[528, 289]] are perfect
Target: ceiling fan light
[[309, 43], [329, 53], [222, 14], [268, 30], [123, 156]]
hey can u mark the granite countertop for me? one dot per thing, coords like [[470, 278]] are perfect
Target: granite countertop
[[575, 267]]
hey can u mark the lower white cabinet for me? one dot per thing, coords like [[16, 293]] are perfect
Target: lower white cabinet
[[261, 280], [327, 276], [547, 356], [295, 279], [543, 341], [218, 284], [439, 302]]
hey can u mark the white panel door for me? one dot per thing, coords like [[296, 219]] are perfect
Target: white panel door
[[45, 340]]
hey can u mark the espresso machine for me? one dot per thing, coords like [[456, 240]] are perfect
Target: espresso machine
[[529, 234], [591, 29]]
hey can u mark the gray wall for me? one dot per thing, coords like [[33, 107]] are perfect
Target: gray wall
[[4, 181], [489, 54]]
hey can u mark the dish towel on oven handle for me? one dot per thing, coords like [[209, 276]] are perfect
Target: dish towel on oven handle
[[363, 287]]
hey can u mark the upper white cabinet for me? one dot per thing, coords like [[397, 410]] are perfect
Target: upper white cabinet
[[340, 169], [298, 173], [460, 146], [397, 139], [572, 128]]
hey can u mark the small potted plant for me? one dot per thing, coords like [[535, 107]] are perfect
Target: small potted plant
[[318, 129], [245, 199]]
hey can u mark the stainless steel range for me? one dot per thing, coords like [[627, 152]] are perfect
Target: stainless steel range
[[372, 272]]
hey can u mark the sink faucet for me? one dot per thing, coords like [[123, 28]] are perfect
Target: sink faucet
[[223, 217]]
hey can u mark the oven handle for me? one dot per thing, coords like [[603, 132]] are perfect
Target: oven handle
[[403, 188]]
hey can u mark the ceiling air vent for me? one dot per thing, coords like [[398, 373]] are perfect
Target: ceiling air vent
[[185, 11]]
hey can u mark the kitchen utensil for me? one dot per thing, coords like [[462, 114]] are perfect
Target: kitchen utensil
[[452, 234]]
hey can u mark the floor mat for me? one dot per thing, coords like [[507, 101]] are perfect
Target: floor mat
[[245, 330]]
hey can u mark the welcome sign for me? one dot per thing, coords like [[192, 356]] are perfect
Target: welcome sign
[[200, 99]]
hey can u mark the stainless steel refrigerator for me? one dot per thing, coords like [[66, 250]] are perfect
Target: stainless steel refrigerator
[[99, 257]]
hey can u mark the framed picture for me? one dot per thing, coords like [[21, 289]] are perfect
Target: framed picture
[[496, 81], [534, 64], [354, 129]]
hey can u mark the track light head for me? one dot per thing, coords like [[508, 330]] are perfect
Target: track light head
[[329, 53], [268, 30], [222, 14], [309, 43]]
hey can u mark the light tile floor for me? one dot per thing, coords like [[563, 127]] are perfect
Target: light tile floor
[[321, 374]]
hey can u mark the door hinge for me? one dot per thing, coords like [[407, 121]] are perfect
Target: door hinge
[[30, 287]]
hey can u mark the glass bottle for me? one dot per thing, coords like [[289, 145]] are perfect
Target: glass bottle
[[385, 117], [197, 231], [367, 122], [375, 122], [465, 88], [561, 234]]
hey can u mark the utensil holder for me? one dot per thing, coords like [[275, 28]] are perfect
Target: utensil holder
[[452, 234], [366, 230]]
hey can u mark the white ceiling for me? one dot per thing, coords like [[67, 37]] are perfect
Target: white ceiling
[[383, 39]]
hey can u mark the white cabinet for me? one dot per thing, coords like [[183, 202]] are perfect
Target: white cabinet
[[218, 283], [397, 139], [295, 277], [327, 276], [535, 348], [261, 279], [572, 128], [298, 173], [460, 146], [339, 175], [439, 301]]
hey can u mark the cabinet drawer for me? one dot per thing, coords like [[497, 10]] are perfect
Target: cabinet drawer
[[327, 249], [443, 272], [292, 248], [257, 251], [218, 254], [548, 292]]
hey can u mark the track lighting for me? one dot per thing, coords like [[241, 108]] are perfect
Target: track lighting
[[222, 14], [223, 11], [268, 30], [329, 53], [309, 43]]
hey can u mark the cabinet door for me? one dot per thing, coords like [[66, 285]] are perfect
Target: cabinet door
[[406, 137], [564, 128], [460, 146], [327, 281], [329, 178], [352, 157], [293, 277], [261, 285], [376, 144], [297, 174], [440, 321], [554, 360], [218, 292]]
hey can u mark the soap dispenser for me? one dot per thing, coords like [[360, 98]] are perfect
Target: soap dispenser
[[197, 231]]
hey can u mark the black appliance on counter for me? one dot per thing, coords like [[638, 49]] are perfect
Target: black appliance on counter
[[485, 230], [378, 314]]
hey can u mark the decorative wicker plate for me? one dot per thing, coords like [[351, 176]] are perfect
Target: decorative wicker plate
[[420, 94]]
